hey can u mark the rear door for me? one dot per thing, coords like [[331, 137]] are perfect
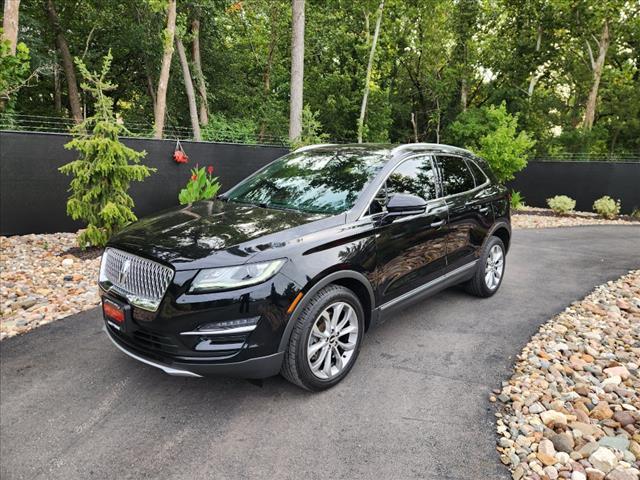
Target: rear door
[[469, 206], [411, 250]]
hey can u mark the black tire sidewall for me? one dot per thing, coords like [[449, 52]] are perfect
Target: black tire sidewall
[[327, 297]]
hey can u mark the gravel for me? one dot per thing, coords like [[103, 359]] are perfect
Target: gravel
[[572, 407], [40, 282], [530, 217]]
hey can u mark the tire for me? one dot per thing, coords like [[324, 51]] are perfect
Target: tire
[[479, 285], [343, 349]]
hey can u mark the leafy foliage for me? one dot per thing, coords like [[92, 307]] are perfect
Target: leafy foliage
[[517, 200], [311, 129], [222, 129], [14, 71], [492, 133], [561, 204], [202, 186], [104, 168], [607, 207]]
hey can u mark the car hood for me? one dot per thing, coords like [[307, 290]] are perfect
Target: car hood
[[216, 233]]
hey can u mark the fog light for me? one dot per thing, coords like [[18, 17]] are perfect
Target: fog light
[[243, 322]]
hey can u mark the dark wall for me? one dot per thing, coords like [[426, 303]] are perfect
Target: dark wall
[[585, 182], [33, 193]]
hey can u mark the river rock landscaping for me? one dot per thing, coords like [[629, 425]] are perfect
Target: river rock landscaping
[[531, 217], [572, 407], [41, 281]]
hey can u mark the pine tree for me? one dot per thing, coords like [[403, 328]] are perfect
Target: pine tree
[[105, 166]]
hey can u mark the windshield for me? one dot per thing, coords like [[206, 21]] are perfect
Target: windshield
[[312, 181]]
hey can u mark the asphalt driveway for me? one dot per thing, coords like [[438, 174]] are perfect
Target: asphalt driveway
[[415, 405]]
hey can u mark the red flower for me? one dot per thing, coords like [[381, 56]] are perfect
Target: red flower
[[210, 169], [194, 177], [180, 157]]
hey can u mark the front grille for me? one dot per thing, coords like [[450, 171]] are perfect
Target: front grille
[[141, 281], [154, 341]]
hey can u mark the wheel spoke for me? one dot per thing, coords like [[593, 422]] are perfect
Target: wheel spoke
[[335, 317], [326, 369], [348, 330], [316, 332], [315, 366], [315, 347], [347, 346], [338, 358], [487, 279], [347, 319]]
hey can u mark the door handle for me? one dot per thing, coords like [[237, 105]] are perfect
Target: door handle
[[483, 209], [439, 223]]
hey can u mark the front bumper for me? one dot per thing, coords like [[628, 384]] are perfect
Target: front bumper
[[260, 367]]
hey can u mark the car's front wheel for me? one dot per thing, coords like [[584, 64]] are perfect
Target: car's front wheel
[[325, 340]]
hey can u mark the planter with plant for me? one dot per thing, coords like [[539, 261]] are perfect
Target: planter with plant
[[202, 186]]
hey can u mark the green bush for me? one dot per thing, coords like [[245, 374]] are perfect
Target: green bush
[[103, 170], [223, 129], [636, 213], [492, 133], [311, 130], [607, 207], [202, 186], [517, 200], [561, 204]]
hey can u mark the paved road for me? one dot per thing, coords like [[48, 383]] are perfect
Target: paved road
[[415, 405]]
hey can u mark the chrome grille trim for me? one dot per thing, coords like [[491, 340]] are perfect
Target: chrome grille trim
[[145, 282]]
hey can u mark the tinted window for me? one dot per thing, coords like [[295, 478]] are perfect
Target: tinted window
[[456, 177], [312, 181], [477, 173], [415, 176]]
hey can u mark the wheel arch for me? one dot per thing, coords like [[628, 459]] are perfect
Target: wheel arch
[[351, 279], [502, 230]]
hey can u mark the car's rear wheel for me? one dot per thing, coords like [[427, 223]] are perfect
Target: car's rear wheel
[[490, 269], [325, 340]]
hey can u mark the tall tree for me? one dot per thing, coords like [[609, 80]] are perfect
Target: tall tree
[[188, 86], [297, 69], [163, 80], [597, 66], [197, 70], [367, 81], [10, 23], [67, 63]]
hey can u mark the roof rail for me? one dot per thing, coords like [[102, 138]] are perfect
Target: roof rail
[[311, 147], [418, 146]]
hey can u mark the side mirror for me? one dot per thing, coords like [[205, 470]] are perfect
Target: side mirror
[[405, 204]]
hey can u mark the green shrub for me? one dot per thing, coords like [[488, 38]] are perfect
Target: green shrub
[[517, 200], [492, 133], [561, 204], [636, 213], [607, 207], [223, 129], [311, 130], [202, 186], [103, 170]]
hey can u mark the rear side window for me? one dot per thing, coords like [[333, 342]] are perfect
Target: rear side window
[[416, 176], [456, 176], [478, 174]]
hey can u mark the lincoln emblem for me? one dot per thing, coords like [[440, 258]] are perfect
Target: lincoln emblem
[[124, 271]]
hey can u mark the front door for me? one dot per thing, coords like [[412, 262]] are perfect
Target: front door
[[411, 250]]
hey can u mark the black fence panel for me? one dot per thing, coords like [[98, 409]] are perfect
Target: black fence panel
[[585, 182], [33, 193]]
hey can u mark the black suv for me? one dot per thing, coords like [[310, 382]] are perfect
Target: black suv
[[286, 271]]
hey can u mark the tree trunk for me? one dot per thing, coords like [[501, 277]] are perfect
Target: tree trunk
[[297, 69], [365, 96], [415, 127], [188, 86], [266, 74], [464, 94], [152, 92], [163, 80], [597, 66], [10, 23], [197, 70], [67, 64]]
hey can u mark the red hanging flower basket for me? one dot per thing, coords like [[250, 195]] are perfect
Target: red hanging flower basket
[[179, 154]]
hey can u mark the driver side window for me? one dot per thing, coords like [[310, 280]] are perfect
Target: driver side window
[[415, 176]]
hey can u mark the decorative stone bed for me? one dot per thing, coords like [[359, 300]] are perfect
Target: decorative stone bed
[[572, 407]]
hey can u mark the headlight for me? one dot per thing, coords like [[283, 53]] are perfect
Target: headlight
[[226, 278]]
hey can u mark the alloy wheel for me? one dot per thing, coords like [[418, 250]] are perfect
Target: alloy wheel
[[332, 340], [494, 268]]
